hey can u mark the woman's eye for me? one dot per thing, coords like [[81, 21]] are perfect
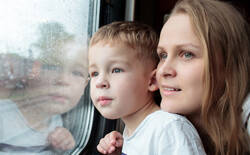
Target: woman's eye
[[188, 55], [116, 70], [163, 55]]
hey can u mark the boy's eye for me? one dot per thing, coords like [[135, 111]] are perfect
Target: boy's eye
[[51, 67], [163, 55], [77, 73], [116, 70], [94, 74]]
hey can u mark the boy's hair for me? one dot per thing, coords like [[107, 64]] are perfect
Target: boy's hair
[[224, 35], [140, 37]]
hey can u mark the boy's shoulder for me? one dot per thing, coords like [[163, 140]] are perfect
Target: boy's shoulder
[[165, 122], [168, 132], [168, 118], [7, 105]]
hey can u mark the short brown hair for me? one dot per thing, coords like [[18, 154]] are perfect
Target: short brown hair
[[140, 37]]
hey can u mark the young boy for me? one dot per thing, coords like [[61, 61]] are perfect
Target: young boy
[[122, 62], [30, 118]]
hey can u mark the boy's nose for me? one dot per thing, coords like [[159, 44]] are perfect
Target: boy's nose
[[61, 80], [102, 83]]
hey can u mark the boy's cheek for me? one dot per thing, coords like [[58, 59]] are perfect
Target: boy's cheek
[[92, 92]]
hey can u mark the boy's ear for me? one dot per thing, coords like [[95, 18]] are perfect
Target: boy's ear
[[153, 83]]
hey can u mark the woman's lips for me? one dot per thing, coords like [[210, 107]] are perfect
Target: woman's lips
[[170, 90]]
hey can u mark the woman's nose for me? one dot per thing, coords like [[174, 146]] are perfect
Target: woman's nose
[[167, 69]]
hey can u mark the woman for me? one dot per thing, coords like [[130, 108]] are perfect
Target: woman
[[203, 72], [204, 52]]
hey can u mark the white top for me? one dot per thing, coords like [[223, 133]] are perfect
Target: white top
[[246, 113], [162, 133], [14, 131]]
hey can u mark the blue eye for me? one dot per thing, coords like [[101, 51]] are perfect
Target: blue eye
[[116, 70], [51, 67], [94, 74], [163, 55], [77, 73], [188, 55]]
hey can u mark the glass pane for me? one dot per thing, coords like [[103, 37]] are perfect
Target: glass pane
[[44, 106]]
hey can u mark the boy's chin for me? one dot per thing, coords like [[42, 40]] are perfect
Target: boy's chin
[[109, 116]]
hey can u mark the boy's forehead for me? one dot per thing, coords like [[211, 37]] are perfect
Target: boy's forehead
[[123, 53], [73, 53], [116, 47], [123, 47], [68, 56], [79, 60], [111, 43]]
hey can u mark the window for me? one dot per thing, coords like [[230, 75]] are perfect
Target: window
[[43, 73]]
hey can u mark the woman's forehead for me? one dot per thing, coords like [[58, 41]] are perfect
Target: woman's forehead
[[179, 30]]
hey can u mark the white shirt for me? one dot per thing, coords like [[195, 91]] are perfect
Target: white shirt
[[246, 113], [14, 130], [162, 133]]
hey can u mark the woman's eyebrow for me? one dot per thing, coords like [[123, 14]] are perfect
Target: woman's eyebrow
[[189, 45], [160, 48], [178, 46]]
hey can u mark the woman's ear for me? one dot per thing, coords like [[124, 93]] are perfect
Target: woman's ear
[[153, 83]]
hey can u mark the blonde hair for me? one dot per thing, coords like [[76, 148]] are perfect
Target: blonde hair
[[224, 35], [140, 37]]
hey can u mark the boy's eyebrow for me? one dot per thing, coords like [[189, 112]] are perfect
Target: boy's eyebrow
[[111, 62], [127, 63], [80, 65], [92, 66]]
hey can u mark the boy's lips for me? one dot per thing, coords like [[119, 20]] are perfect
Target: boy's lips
[[103, 100], [57, 97], [44, 98]]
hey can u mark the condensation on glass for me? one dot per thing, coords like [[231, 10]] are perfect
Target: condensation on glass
[[44, 108]]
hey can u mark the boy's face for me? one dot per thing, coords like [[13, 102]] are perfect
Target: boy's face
[[57, 87], [119, 80]]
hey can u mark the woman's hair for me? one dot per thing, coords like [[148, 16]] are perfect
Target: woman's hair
[[224, 36]]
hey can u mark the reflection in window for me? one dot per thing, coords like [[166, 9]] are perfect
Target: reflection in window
[[43, 75]]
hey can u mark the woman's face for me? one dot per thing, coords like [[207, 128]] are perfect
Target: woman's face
[[180, 70]]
